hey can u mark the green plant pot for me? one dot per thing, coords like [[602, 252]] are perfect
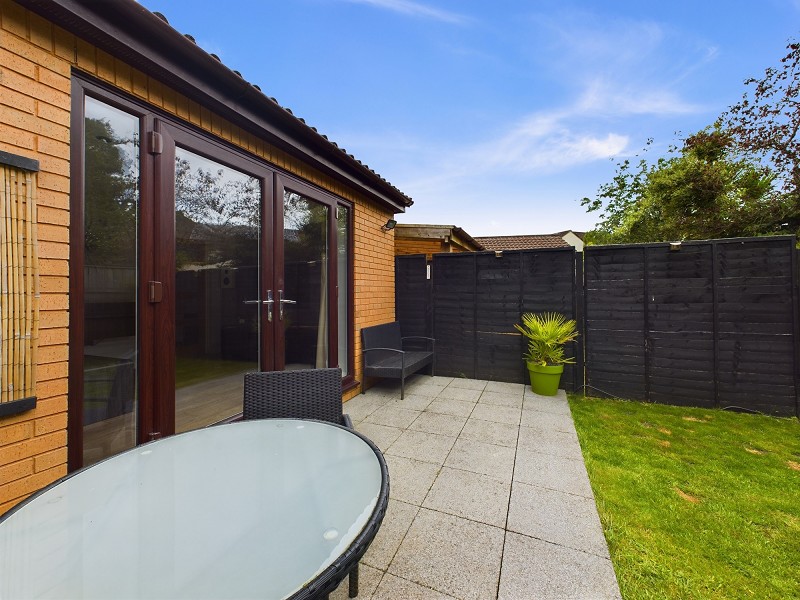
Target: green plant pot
[[545, 380]]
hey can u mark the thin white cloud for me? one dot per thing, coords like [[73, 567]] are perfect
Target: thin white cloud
[[605, 97], [415, 9]]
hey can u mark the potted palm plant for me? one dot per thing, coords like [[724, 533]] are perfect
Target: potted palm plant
[[547, 334]]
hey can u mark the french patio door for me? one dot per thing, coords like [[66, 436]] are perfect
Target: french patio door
[[194, 263]]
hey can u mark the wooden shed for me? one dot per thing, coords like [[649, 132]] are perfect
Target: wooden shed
[[153, 203]]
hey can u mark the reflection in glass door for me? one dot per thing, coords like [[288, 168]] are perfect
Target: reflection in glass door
[[111, 202], [303, 303], [217, 214]]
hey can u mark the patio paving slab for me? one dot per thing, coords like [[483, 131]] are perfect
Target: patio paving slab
[[498, 414], [468, 384], [419, 445], [393, 416], [549, 441], [501, 508], [553, 404], [451, 555], [536, 418], [412, 402], [463, 394], [556, 517], [439, 423], [396, 523], [552, 472], [501, 434], [450, 406], [382, 435], [501, 399], [410, 480], [486, 459], [536, 569], [393, 588], [470, 495], [502, 386]]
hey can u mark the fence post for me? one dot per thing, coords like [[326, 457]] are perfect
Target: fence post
[[578, 312], [715, 317]]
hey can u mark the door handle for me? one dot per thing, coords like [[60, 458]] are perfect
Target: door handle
[[282, 301], [269, 302]]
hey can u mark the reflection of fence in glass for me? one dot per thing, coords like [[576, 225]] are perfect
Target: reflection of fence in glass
[[19, 283]]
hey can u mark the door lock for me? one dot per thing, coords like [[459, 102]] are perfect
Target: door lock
[[269, 302]]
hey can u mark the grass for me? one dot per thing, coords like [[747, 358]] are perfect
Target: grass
[[695, 503]]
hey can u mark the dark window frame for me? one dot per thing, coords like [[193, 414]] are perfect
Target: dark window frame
[[154, 119]]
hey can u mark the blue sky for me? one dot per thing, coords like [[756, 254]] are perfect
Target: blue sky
[[495, 116]]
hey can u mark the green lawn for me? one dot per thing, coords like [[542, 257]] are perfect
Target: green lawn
[[695, 503], [189, 371]]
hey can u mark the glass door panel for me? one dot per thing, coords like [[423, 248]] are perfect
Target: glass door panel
[[111, 203], [303, 303], [217, 215]]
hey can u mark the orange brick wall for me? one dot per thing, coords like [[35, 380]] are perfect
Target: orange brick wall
[[36, 61]]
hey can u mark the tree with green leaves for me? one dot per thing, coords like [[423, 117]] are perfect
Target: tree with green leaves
[[738, 178]]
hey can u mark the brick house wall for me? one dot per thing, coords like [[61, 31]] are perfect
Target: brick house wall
[[36, 63]]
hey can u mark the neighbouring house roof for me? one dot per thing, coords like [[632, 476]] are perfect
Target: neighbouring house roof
[[146, 41], [446, 233], [524, 242]]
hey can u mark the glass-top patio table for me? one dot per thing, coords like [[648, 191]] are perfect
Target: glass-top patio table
[[267, 509]]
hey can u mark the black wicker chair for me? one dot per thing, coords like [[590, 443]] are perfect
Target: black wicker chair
[[384, 354], [301, 394]]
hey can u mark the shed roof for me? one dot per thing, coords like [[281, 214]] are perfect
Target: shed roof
[[147, 41]]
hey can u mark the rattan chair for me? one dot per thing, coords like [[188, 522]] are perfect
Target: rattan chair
[[301, 394]]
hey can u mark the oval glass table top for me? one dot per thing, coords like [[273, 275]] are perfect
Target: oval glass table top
[[245, 510]]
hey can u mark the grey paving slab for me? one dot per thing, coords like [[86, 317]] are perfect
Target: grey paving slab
[[362, 405], [556, 517], [368, 579], [463, 394], [412, 402], [409, 479], [470, 495], [449, 406], [468, 384], [478, 457], [420, 445], [439, 423], [430, 390], [502, 434], [501, 399], [552, 472], [555, 405], [382, 435], [498, 414], [536, 418], [549, 441], [396, 523], [502, 386], [396, 588], [392, 416], [451, 555], [560, 394], [537, 569]]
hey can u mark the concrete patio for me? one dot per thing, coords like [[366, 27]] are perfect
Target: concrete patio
[[489, 496]]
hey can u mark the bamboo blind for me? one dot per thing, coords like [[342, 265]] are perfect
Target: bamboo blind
[[19, 283]]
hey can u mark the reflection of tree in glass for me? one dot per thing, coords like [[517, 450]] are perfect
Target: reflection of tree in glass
[[111, 193], [217, 216], [305, 228]]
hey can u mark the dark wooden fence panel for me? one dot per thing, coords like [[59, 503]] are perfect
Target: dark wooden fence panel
[[549, 285], [499, 350], [412, 295], [701, 324], [454, 298], [680, 325], [614, 281], [756, 309]]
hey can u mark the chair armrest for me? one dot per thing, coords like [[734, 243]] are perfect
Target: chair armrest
[[389, 349]]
